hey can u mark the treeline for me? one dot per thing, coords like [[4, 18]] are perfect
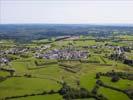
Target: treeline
[[115, 75], [70, 93]]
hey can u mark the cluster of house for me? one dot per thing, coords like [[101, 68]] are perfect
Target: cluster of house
[[63, 54], [91, 47], [4, 61], [14, 51], [119, 50], [41, 48]]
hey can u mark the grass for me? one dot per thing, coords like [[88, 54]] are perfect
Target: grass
[[22, 85], [4, 73], [121, 84], [126, 37], [44, 97], [88, 79], [113, 95]]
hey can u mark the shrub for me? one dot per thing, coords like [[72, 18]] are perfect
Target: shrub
[[99, 82], [95, 89], [97, 75], [83, 93], [51, 92], [115, 78], [27, 75]]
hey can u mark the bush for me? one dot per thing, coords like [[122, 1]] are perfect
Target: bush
[[95, 89], [97, 75], [51, 92], [101, 97], [84, 93], [115, 78], [27, 75], [99, 82], [130, 77]]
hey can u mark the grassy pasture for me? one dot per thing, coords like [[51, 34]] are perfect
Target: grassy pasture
[[21, 86]]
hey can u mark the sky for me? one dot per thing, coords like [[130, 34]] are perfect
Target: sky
[[66, 11]]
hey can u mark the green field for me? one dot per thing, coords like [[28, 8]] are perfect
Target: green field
[[46, 77]]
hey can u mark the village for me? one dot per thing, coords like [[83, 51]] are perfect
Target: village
[[64, 54], [68, 52], [66, 60]]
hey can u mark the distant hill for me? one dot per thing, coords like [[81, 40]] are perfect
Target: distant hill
[[28, 32]]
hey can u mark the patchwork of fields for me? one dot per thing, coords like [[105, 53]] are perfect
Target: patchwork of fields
[[30, 78]]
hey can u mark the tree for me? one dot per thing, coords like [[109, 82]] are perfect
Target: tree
[[11, 72], [95, 89], [115, 78], [97, 75]]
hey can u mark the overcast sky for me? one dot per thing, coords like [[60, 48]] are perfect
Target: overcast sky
[[69, 12]]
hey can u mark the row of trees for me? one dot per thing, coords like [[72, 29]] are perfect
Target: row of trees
[[115, 75], [70, 93]]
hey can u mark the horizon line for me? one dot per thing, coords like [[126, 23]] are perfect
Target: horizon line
[[68, 23]]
